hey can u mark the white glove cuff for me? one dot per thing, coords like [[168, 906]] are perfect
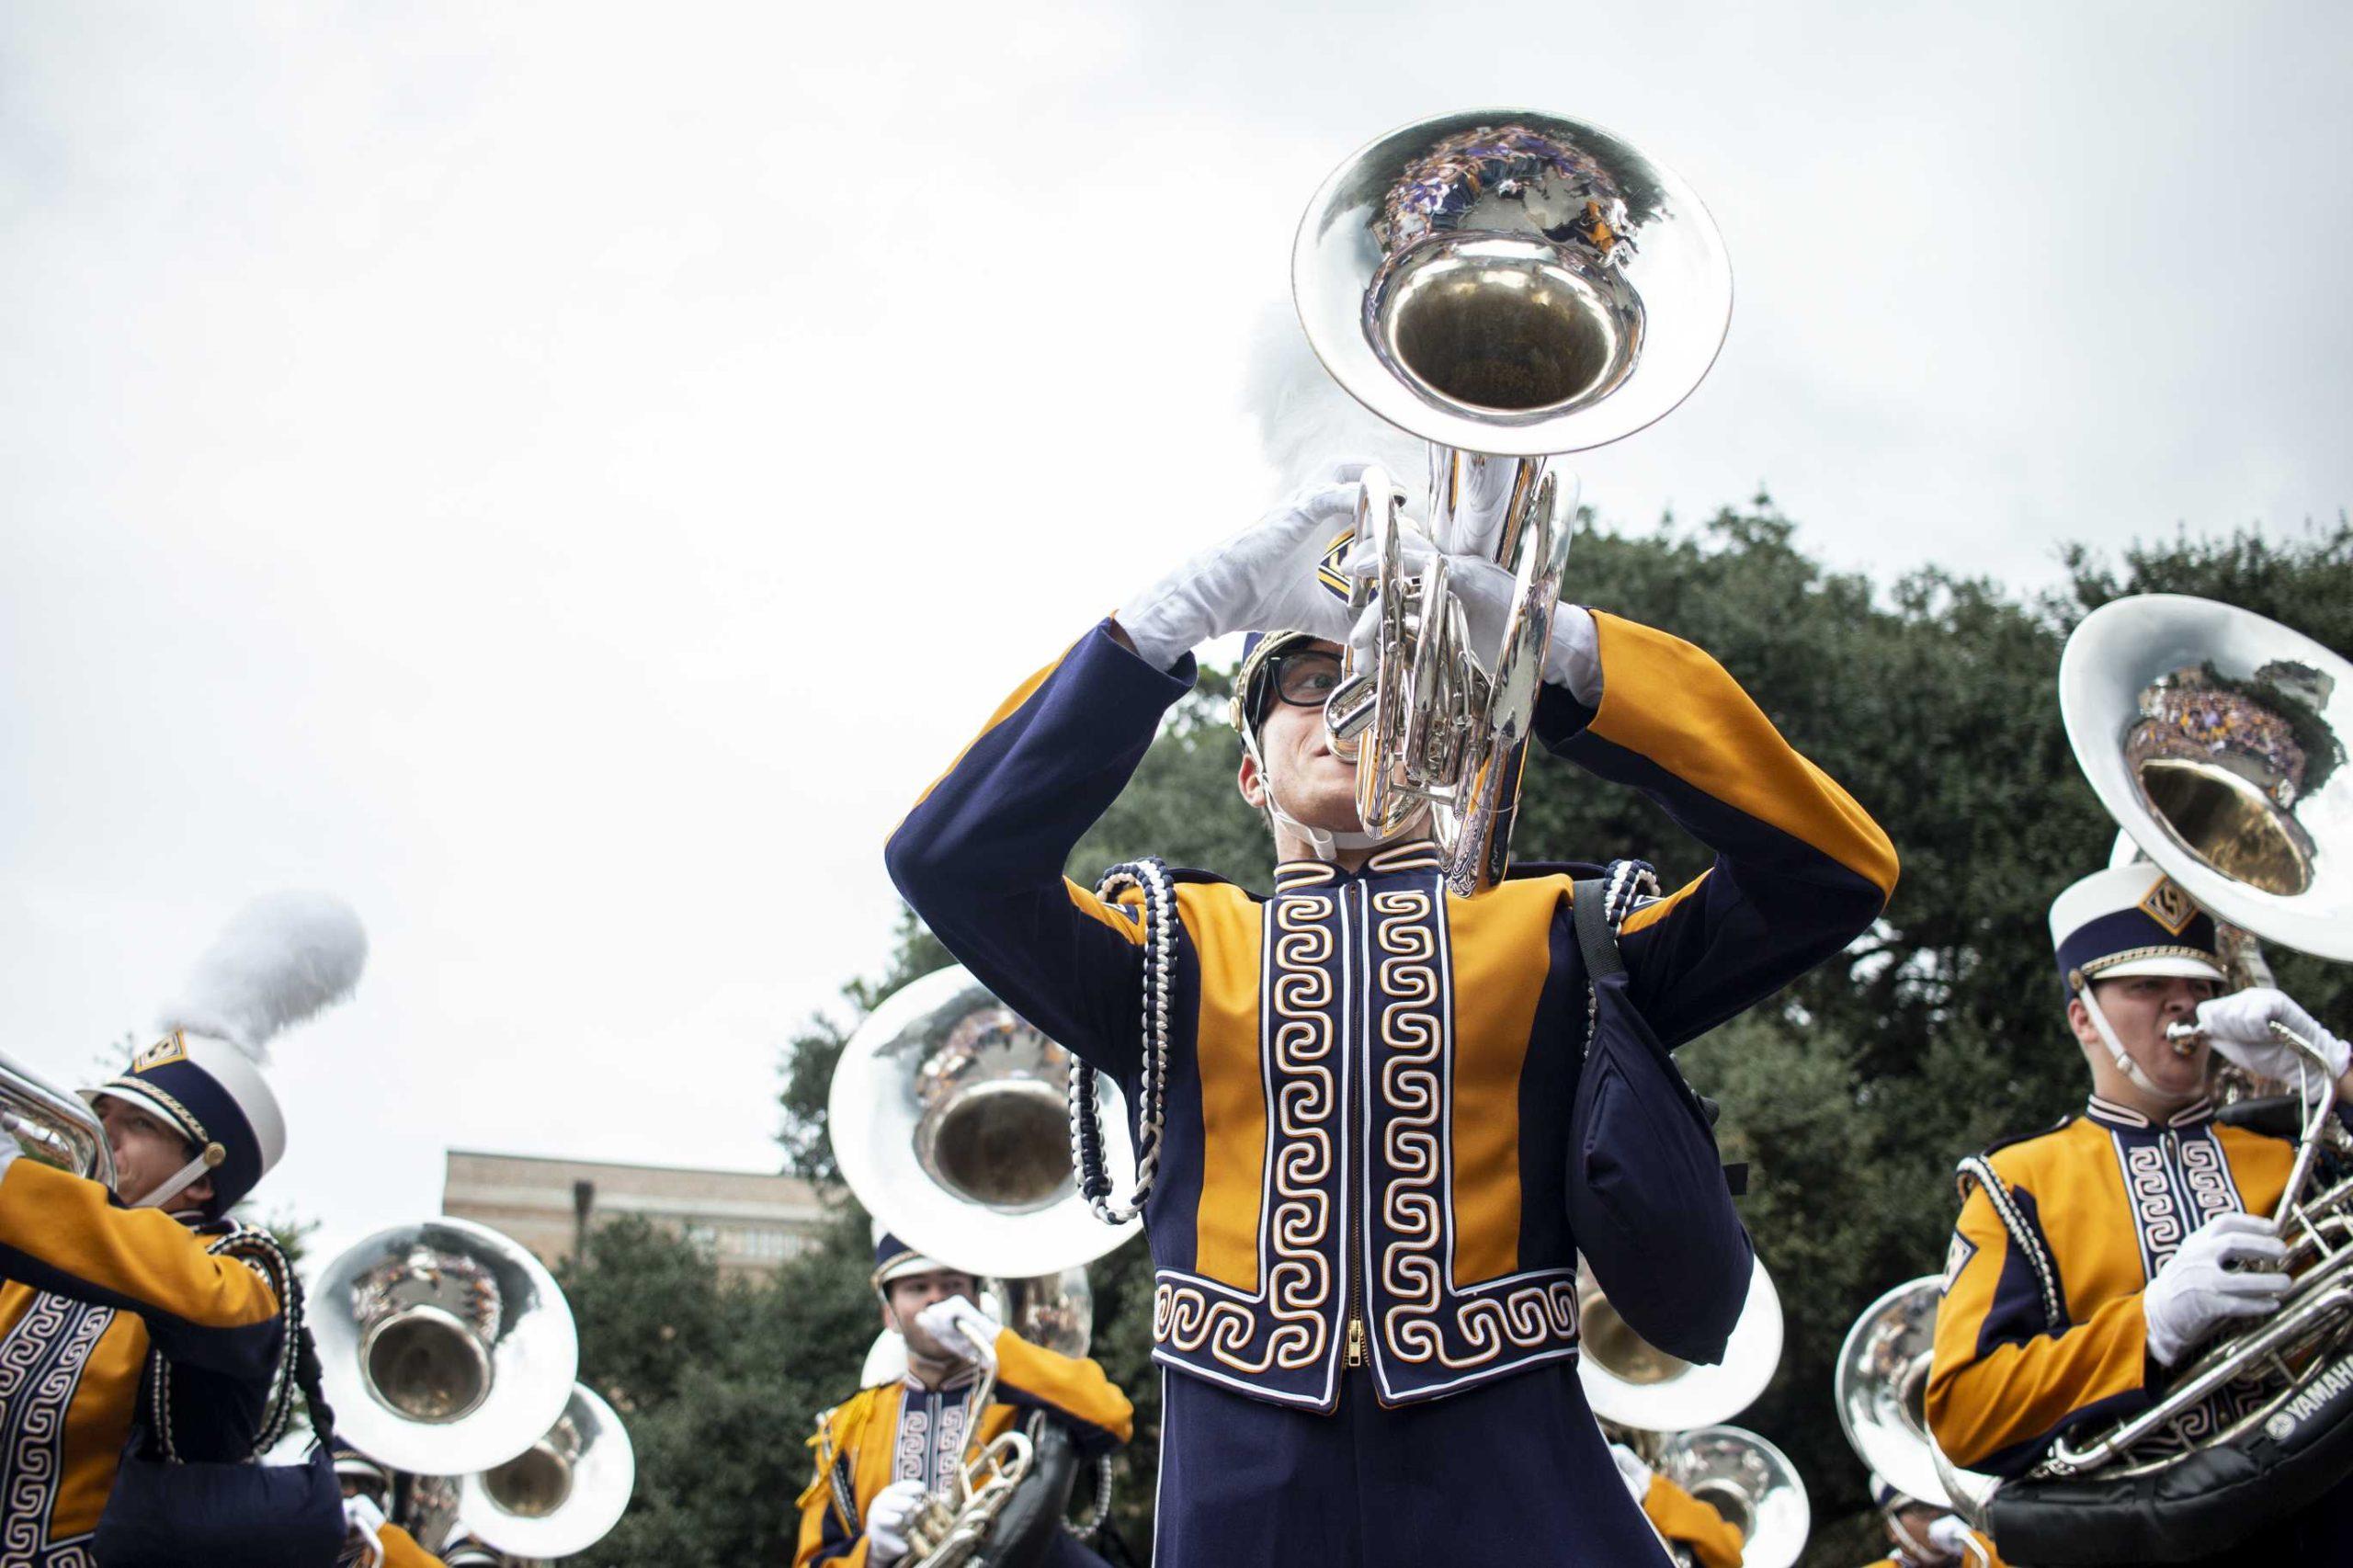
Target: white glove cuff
[[1165, 626], [1574, 660], [2164, 1345]]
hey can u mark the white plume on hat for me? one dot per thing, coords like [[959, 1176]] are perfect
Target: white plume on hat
[[281, 958], [1306, 423]]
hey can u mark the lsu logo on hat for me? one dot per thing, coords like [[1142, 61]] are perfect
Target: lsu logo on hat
[[169, 1049], [1328, 570], [2169, 906]]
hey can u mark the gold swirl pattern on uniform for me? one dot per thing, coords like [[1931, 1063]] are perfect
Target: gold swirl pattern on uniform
[[1299, 1039], [1408, 1051]]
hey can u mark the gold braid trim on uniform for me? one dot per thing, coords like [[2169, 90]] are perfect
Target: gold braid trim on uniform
[[1300, 1041], [1411, 1052], [2100, 966]]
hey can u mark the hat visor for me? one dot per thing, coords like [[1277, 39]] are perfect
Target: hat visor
[[2172, 966], [909, 1263], [152, 1107]]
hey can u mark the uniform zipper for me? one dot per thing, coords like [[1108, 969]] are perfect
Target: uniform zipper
[[1353, 1262]]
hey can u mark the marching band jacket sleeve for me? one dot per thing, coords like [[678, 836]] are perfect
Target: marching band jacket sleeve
[[61, 1233], [1073, 1389], [2005, 1380], [400, 1549], [981, 856], [1800, 870]]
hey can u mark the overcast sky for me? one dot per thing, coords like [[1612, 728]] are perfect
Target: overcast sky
[[563, 477]]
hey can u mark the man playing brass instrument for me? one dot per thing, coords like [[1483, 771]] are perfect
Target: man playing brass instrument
[[1925, 1535], [1691, 1526], [1353, 1091], [886, 1449], [2133, 1231], [143, 1324]]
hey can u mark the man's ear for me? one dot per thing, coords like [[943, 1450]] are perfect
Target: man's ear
[[196, 1194], [1247, 780]]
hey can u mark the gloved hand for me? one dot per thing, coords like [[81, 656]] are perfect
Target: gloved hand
[[1485, 590], [1632, 1471], [8, 1147], [2240, 1026], [962, 1329], [2194, 1292], [363, 1519], [886, 1521], [1262, 579], [1949, 1533]]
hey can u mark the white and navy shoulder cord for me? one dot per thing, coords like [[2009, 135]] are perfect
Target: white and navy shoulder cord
[[298, 1357], [1150, 876]]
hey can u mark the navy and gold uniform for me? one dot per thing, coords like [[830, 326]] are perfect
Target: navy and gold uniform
[[2111, 1194], [903, 1431], [1358, 1206], [86, 1289], [1686, 1522], [1904, 1560]]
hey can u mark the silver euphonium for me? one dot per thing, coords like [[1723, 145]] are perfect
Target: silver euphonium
[[1509, 286], [949, 1120], [1881, 1386], [2215, 738], [562, 1494], [1674, 1413], [53, 1127], [444, 1346]]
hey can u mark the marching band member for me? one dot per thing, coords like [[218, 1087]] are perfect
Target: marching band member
[[1925, 1536], [2133, 1231], [1686, 1524], [95, 1280], [1360, 1067], [881, 1452]]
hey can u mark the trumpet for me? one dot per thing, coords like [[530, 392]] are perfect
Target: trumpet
[[1509, 286]]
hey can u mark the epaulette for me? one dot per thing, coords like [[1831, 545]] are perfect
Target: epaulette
[[1990, 1150]]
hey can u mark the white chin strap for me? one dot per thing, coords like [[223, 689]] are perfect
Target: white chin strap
[[188, 1176], [2116, 1053], [1322, 842]]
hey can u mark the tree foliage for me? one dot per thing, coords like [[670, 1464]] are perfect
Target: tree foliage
[[1931, 699]]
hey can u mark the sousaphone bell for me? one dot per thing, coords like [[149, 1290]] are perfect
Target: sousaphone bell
[[562, 1494]]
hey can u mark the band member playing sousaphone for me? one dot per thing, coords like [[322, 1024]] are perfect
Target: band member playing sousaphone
[[2094, 1259], [888, 1451], [1924, 1535], [144, 1328], [1692, 1529]]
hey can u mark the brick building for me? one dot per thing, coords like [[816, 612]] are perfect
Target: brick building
[[748, 1221]]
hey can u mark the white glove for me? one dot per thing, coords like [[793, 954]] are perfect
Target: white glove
[[363, 1519], [1632, 1471], [1949, 1533], [1485, 590], [9, 1149], [962, 1329], [2194, 1292], [886, 1520], [1263, 579], [2240, 1026]]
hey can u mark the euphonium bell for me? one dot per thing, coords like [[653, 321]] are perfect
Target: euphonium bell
[[54, 1127], [444, 1346], [562, 1494], [1750, 1483], [2216, 740], [1507, 285], [949, 1119], [1629, 1381]]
